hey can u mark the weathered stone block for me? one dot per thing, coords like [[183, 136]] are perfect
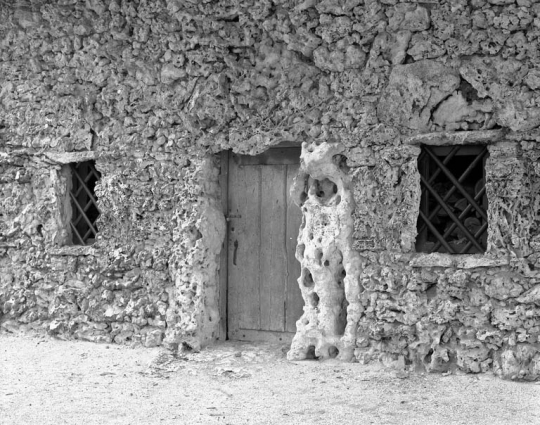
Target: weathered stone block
[[414, 91]]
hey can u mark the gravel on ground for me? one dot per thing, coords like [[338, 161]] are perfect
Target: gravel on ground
[[49, 381]]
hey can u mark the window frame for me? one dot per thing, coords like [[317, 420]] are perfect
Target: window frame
[[81, 198], [437, 157]]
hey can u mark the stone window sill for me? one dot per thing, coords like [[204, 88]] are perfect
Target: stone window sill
[[72, 250], [459, 261], [448, 138], [71, 157]]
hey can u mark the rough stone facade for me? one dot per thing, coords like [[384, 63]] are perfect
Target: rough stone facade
[[154, 90]]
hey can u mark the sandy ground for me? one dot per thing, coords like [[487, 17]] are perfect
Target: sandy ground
[[47, 381]]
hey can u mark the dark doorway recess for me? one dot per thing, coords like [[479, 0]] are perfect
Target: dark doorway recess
[[453, 206]]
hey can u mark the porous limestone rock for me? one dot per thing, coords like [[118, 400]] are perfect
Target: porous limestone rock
[[330, 266], [154, 90], [413, 93]]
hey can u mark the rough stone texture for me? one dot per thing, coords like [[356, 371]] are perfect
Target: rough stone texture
[[330, 266], [153, 90]]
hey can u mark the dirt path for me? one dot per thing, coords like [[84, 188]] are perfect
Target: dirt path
[[46, 381]]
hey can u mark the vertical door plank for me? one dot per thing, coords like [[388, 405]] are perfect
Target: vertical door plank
[[244, 247], [294, 301], [223, 183], [273, 258]]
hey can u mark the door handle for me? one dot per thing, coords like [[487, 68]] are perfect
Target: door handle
[[234, 252]]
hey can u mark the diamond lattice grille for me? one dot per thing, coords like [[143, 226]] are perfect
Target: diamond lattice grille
[[83, 202], [453, 206]]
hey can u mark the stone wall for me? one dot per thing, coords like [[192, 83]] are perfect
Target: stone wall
[[153, 90]]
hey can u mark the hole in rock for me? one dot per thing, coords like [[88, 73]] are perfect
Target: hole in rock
[[427, 358], [341, 162], [310, 236], [310, 354], [326, 263], [341, 323], [333, 352], [308, 279], [324, 190], [234, 18], [343, 273], [468, 91], [39, 229], [186, 346], [314, 299], [338, 200], [408, 59], [303, 197]]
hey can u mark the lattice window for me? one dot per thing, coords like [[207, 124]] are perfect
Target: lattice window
[[453, 205], [83, 202]]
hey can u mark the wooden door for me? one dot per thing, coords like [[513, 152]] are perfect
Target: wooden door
[[264, 301]]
